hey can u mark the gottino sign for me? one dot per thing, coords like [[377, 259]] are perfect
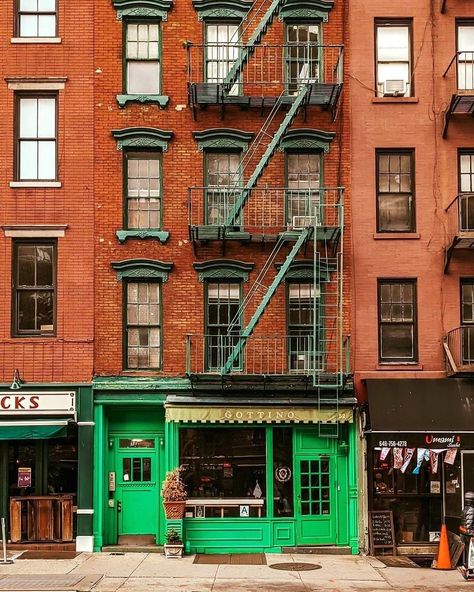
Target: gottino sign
[[50, 403]]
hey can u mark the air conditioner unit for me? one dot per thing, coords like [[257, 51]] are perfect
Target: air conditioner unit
[[394, 88], [300, 222]]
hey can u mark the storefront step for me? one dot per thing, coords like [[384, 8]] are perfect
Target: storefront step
[[41, 546], [133, 549], [417, 550], [321, 550]]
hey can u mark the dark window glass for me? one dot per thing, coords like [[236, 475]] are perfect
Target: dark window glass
[[393, 56], [223, 323], [283, 472], [304, 354], [223, 179], [143, 190], [397, 321], [34, 288], [36, 18], [143, 325], [303, 60], [395, 183], [303, 182], [142, 58], [467, 321]]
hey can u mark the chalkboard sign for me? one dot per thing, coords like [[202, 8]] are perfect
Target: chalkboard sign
[[381, 532]]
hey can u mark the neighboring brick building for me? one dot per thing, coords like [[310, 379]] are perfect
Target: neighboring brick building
[[412, 181], [46, 266], [182, 91]]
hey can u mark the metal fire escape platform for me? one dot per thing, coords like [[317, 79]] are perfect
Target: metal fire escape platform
[[462, 100]]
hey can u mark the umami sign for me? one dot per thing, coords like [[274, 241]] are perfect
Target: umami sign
[[37, 403]]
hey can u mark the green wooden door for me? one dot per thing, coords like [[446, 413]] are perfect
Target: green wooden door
[[137, 495]]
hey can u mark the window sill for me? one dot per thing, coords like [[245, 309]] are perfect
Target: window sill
[[34, 184], [395, 100], [36, 40], [396, 235], [161, 235], [161, 100], [399, 366]]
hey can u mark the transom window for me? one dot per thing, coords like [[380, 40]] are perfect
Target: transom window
[[303, 182], [465, 37], [467, 320], [222, 50], [303, 352], [143, 58], [143, 326], [36, 138], [36, 18], [303, 55], [143, 190], [393, 55], [466, 189], [222, 172], [34, 288], [395, 189], [397, 320], [223, 322]]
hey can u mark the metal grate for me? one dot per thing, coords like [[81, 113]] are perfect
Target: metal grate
[[40, 582], [295, 566], [231, 559]]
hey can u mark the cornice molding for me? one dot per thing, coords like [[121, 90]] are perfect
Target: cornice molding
[[306, 138], [223, 269], [222, 137], [142, 137], [209, 9], [142, 8], [306, 9], [143, 269]]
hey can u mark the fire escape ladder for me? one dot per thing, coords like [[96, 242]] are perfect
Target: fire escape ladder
[[300, 99], [247, 49], [268, 294]]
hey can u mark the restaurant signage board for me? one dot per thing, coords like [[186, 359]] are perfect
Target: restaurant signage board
[[37, 403]]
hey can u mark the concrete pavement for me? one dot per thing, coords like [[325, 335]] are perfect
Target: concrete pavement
[[143, 572]]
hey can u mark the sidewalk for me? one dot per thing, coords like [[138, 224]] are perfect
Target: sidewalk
[[143, 572]]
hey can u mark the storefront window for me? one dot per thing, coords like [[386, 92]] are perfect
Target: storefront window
[[21, 455], [62, 465], [225, 463], [282, 472]]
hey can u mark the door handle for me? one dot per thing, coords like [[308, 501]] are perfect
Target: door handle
[[119, 506]]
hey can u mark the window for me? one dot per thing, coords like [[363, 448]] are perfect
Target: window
[[142, 58], [143, 328], [223, 322], [395, 191], [143, 190], [222, 49], [36, 18], [303, 182], [34, 289], [303, 352], [466, 190], [36, 138], [467, 320], [393, 55], [302, 55], [223, 176], [397, 321], [465, 40]]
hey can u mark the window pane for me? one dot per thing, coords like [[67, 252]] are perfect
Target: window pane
[[46, 25], [47, 118], [397, 342], [28, 160], [393, 71], [44, 266], [466, 38], [393, 44], [46, 5], [28, 118], [395, 213], [44, 304], [143, 77], [28, 5], [46, 160], [28, 25], [26, 257], [26, 313]]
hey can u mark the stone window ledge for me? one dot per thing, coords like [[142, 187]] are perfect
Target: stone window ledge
[[395, 100], [161, 235], [36, 40], [396, 235], [34, 184], [394, 366], [161, 100], [34, 230]]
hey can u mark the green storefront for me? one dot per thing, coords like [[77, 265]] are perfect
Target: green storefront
[[260, 477], [46, 460]]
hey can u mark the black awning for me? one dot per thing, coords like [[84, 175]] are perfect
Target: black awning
[[421, 405]]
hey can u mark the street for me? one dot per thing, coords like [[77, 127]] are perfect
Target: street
[[143, 572]]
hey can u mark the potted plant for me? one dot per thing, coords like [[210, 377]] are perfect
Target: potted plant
[[174, 494], [174, 545]]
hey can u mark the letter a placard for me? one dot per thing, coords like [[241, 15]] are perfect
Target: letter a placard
[[244, 511]]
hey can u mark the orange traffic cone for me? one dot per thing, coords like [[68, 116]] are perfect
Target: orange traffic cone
[[444, 560]]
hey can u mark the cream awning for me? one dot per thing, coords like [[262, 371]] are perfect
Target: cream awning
[[252, 414]]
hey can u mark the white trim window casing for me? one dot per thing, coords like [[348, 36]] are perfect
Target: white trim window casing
[[36, 19], [393, 59], [36, 138], [142, 57]]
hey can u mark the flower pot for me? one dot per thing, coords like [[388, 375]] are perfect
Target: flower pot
[[174, 510], [174, 551]]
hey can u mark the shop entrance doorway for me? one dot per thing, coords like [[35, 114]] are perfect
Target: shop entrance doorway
[[467, 468], [137, 493]]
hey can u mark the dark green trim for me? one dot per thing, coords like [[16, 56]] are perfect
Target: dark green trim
[[161, 100], [140, 383], [85, 469], [142, 8], [303, 269], [142, 269], [306, 10], [130, 399], [223, 269], [224, 137], [142, 137], [144, 234], [222, 9], [307, 139]]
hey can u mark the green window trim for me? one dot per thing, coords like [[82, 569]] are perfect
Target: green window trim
[[222, 9], [142, 137], [306, 10], [143, 234], [304, 270], [161, 100], [223, 138], [142, 8], [307, 139], [223, 269], [142, 269]]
